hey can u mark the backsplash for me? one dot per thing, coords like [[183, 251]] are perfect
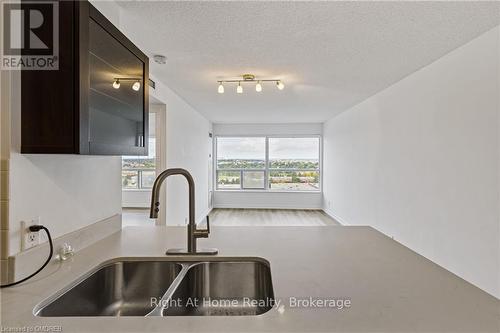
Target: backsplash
[[23, 263]]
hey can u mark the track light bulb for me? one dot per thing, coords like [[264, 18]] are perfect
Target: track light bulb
[[221, 88], [136, 86], [258, 87], [116, 84], [280, 85], [239, 89]]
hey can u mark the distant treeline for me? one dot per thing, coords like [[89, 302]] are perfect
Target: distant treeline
[[274, 164]]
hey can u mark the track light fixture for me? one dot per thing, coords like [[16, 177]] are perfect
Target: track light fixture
[[135, 86], [220, 89], [249, 78]]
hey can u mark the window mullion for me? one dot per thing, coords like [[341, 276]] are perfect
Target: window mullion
[[266, 172]]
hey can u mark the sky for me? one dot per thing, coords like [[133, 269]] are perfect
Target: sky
[[279, 148]]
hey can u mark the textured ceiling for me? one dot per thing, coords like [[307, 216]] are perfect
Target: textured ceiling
[[331, 55]]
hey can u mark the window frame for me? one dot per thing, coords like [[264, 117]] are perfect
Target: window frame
[[267, 170], [241, 171]]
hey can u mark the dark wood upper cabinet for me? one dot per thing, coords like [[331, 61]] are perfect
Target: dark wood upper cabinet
[[76, 109]]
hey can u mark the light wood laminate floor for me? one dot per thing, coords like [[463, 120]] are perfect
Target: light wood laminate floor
[[244, 217], [270, 217]]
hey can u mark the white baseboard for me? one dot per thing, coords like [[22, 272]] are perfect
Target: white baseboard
[[243, 206]]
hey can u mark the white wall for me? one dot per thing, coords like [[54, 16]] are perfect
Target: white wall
[[188, 147], [265, 199], [420, 161], [268, 129], [136, 198]]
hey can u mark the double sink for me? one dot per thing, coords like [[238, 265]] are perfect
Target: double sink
[[214, 286]]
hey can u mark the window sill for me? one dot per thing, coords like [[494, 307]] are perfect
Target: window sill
[[269, 191], [136, 189]]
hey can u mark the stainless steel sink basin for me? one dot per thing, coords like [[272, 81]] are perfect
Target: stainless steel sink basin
[[223, 289], [122, 288], [179, 287]]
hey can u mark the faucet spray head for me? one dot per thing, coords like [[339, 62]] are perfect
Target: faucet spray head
[[153, 212]]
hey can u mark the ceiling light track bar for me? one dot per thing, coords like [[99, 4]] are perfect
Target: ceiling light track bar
[[128, 78], [252, 80]]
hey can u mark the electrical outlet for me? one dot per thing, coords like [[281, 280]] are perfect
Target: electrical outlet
[[28, 238]]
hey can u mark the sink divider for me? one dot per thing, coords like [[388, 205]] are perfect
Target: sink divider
[[158, 310]]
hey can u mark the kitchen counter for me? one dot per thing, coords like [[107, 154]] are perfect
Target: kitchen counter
[[390, 288]]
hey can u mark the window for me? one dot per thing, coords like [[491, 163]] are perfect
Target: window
[[139, 172], [294, 164], [273, 163], [241, 163]]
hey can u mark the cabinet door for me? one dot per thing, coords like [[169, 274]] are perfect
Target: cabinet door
[[117, 117]]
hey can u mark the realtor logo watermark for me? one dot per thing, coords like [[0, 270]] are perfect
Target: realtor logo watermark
[[30, 35]]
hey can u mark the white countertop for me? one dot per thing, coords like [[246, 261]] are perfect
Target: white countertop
[[391, 288]]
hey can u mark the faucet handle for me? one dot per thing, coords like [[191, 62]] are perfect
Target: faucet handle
[[203, 233], [208, 224]]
